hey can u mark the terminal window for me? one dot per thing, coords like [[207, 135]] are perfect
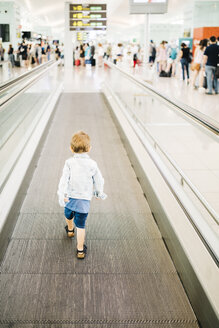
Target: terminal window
[[5, 32]]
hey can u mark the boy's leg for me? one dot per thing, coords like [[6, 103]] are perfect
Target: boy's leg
[[80, 239], [70, 224], [80, 220], [69, 214]]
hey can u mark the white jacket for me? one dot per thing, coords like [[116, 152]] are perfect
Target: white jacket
[[81, 179]]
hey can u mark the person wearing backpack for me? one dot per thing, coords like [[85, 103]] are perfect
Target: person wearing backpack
[[171, 61]]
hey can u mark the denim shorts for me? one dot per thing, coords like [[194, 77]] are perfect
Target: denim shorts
[[79, 218]]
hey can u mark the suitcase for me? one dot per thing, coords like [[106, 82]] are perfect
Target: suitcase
[[77, 62], [163, 74], [17, 63]]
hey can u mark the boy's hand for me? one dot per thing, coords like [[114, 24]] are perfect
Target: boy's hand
[[66, 200]]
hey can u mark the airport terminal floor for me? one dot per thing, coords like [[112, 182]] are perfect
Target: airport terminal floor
[[129, 277]]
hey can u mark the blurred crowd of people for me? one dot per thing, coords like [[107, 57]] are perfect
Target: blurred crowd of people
[[203, 62], [90, 54], [198, 69], [29, 54]]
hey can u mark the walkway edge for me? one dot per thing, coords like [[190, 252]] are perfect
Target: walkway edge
[[14, 182]]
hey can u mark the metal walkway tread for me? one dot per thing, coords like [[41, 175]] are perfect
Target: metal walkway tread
[[127, 278]]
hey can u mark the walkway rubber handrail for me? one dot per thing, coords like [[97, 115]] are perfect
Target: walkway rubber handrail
[[27, 80], [205, 232], [183, 176], [12, 81], [201, 118]]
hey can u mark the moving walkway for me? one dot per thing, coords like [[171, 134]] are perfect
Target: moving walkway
[[142, 268]]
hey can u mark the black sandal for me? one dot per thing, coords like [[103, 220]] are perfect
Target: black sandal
[[81, 254], [70, 233]]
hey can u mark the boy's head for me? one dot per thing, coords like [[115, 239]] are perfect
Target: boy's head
[[80, 142]]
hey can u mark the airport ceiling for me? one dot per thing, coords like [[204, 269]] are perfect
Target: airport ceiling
[[52, 12]]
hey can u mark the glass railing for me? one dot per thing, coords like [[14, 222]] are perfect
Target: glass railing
[[20, 115], [186, 147]]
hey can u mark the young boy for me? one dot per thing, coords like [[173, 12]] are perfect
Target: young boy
[[81, 179]]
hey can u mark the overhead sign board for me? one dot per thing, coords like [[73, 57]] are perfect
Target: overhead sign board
[[85, 17], [148, 6]]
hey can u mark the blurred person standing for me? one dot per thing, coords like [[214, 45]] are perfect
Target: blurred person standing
[[77, 56], [197, 64], [11, 54], [48, 51], [61, 50], [77, 53], [172, 59], [57, 53], [109, 51], [23, 51], [100, 52], [28, 56], [210, 62], [114, 54], [134, 50], [119, 52], [184, 59], [37, 53], [2, 51], [18, 52], [32, 58], [92, 52], [162, 56], [43, 49], [82, 55], [104, 50], [152, 53], [87, 54]]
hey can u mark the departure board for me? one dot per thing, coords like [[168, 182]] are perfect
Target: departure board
[[148, 6], [82, 36], [85, 17]]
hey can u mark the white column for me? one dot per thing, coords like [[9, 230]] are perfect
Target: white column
[[146, 38], [68, 46]]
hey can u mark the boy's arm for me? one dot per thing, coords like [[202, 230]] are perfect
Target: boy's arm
[[98, 184], [63, 184]]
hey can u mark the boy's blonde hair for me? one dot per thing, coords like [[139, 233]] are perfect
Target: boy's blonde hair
[[80, 142]]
